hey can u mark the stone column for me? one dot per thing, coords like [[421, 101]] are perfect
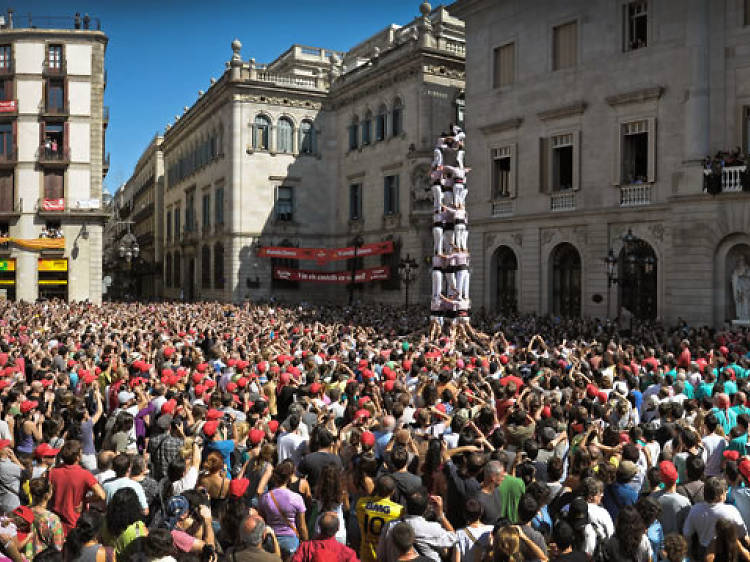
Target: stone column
[[696, 133]]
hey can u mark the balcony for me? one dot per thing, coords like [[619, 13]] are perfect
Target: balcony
[[502, 208], [636, 195], [58, 68], [7, 68], [59, 111], [9, 158], [731, 178], [562, 201], [54, 158], [46, 205], [190, 235]]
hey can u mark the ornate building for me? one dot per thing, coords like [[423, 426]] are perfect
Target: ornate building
[[52, 157], [588, 124], [312, 150]]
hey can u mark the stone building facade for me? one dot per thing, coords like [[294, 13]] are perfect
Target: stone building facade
[[52, 158], [587, 120], [311, 150]]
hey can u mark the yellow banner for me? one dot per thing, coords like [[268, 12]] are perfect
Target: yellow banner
[[36, 243], [7, 282], [7, 265], [53, 265], [53, 282]]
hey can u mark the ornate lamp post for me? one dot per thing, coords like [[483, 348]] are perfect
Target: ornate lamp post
[[406, 270], [129, 248]]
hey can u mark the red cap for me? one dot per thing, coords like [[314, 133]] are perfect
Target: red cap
[[72, 363], [744, 468], [169, 406], [315, 388], [46, 383], [504, 359], [591, 390], [256, 436], [28, 405], [231, 362], [273, 426], [167, 372], [406, 364], [201, 367], [4, 443], [4, 383], [364, 400], [667, 472], [242, 382], [388, 386], [731, 455], [168, 351], [44, 450], [199, 389], [25, 513], [367, 439], [441, 407], [210, 427], [231, 387], [238, 487], [214, 414], [546, 412], [362, 413]]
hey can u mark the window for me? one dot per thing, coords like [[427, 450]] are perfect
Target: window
[[285, 138], [747, 12], [7, 200], [355, 201], [638, 151], [6, 140], [390, 195], [168, 270], [206, 211], [54, 186], [635, 18], [169, 225], [460, 108], [284, 203], [190, 225], [6, 90], [502, 160], [219, 203], [6, 61], [366, 124], [206, 267], [177, 274], [262, 129], [54, 57], [396, 119], [55, 95], [565, 46], [562, 162], [381, 122], [559, 166], [177, 226], [353, 134], [504, 66], [307, 138], [393, 283], [218, 265]]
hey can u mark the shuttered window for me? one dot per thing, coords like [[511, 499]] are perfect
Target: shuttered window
[[53, 184], [6, 191], [565, 46], [504, 65], [747, 12]]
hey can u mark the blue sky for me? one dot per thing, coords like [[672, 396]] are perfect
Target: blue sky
[[161, 53]]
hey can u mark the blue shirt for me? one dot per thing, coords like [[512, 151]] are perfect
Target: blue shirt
[[727, 418], [382, 438], [226, 448], [616, 496]]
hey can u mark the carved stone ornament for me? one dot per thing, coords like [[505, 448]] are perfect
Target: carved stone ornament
[[421, 196], [547, 236], [658, 231], [517, 239]]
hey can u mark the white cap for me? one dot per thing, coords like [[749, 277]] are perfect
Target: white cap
[[125, 396]]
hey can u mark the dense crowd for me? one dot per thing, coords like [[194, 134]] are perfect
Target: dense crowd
[[174, 431]]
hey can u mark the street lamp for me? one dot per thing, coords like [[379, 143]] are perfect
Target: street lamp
[[406, 271], [129, 248], [631, 260], [358, 241]]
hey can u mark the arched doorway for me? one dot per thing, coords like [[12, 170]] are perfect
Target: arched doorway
[[505, 266], [566, 280], [637, 268]]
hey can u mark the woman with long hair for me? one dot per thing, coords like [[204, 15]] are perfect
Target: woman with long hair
[[214, 480], [284, 510], [432, 468], [506, 545], [124, 520], [330, 495], [629, 542], [259, 472], [28, 426], [727, 546], [650, 510], [47, 530], [82, 543]]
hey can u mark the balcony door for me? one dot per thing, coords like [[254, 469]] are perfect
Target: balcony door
[[566, 281]]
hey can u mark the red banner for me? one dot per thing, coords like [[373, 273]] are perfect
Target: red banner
[[8, 106], [361, 276], [324, 255], [53, 204]]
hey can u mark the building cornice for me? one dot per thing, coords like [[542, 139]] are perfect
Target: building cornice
[[636, 96], [502, 126], [570, 110], [67, 35]]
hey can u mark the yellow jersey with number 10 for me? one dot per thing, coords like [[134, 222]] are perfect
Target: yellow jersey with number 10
[[372, 515]]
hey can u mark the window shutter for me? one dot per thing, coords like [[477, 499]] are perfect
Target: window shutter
[[66, 103], [41, 135], [396, 195], [544, 165], [565, 46], [577, 160], [14, 136], [513, 165], [66, 136], [617, 163], [652, 149]]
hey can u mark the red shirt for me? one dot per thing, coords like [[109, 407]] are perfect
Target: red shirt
[[512, 378], [325, 549], [70, 484], [684, 359]]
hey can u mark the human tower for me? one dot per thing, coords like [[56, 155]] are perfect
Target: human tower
[[450, 305]]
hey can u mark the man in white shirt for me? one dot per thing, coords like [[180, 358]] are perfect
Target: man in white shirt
[[600, 521], [292, 444], [121, 466], [714, 445], [703, 516]]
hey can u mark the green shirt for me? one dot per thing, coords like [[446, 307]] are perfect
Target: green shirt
[[511, 489]]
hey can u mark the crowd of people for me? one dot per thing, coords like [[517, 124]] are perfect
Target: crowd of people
[[207, 431]]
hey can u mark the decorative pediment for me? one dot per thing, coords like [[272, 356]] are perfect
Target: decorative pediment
[[570, 110], [636, 96], [501, 126]]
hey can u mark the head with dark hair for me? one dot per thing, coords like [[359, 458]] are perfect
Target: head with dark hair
[[563, 535], [71, 452], [87, 529], [473, 510], [121, 465], [554, 469], [399, 457], [726, 541], [403, 537], [329, 487], [123, 510], [714, 489], [328, 525], [649, 508], [711, 422], [158, 544], [385, 486], [540, 492], [629, 529], [282, 474], [694, 466], [527, 508], [176, 469], [40, 490], [325, 438], [417, 501], [590, 488]]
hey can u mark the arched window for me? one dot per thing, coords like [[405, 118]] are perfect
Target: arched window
[[367, 128], [218, 265], [354, 134], [206, 267], [397, 118], [381, 123], [262, 131], [307, 138], [566, 281], [168, 271], [177, 273], [285, 136]]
